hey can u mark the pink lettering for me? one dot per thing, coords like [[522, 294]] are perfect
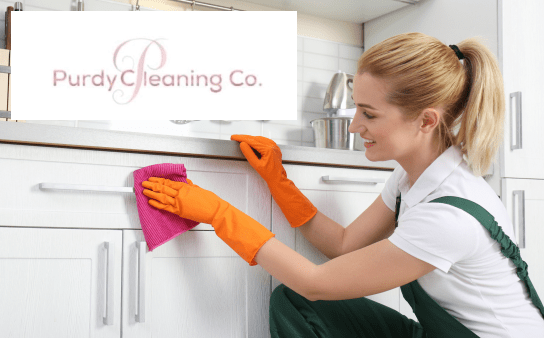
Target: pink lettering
[[141, 63], [55, 78], [232, 81]]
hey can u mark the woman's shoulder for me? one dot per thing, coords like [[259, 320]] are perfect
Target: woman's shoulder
[[441, 230]]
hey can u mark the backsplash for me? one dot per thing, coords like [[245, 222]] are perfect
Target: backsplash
[[318, 60]]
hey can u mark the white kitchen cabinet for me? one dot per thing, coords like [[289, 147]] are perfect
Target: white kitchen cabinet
[[524, 199], [193, 286], [61, 283], [522, 32], [342, 194]]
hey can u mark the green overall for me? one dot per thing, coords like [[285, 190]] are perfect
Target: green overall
[[292, 315]]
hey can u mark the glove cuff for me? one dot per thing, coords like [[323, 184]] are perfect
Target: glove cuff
[[296, 207], [241, 232]]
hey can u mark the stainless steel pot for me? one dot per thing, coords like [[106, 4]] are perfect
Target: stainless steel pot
[[332, 132]]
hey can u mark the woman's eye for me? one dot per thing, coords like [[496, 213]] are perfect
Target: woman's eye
[[367, 116]]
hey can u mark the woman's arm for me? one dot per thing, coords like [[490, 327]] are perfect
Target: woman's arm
[[287, 266], [377, 222], [374, 269], [325, 234]]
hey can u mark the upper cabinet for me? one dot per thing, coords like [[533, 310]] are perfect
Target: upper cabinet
[[355, 11], [522, 51]]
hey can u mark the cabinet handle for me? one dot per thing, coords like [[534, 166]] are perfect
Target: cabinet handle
[[140, 308], [62, 186], [352, 179], [521, 206], [518, 144], [110, 249]]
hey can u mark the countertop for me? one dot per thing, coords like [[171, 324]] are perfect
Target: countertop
[[109, 140]]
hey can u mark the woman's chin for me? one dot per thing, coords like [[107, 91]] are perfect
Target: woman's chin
[[375, 157], [370, 158]]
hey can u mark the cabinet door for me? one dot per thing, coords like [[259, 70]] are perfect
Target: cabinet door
[[522, 54], [342, 198], [192, 286], [60, 283], [524, 201]]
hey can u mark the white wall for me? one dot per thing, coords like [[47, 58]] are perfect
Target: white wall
[[318, 60]]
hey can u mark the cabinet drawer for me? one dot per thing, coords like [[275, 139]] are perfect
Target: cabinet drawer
[[23, 168], [337, 179]]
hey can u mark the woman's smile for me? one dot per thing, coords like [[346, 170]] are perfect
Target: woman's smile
[[369, 144]]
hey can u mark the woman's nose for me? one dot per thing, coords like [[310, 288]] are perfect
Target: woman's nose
[[356, 125]]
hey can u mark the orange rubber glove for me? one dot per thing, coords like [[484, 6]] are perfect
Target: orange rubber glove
[[241, 232], [295, 206]]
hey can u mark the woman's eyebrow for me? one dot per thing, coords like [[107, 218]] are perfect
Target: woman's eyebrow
[[364, 105]]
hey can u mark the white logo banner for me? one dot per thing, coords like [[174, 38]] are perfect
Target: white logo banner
[[152, 65]]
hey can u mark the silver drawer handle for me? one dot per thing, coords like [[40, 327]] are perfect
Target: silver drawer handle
[[140, 308], [352, 179], [81, 187], [110, 249], [521, 216], [518, 145]]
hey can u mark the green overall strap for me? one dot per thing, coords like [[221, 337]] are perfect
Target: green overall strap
[[436, 321], [509, 248]]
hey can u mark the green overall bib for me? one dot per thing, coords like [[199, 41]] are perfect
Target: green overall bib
[[293, 316], [436, 321]]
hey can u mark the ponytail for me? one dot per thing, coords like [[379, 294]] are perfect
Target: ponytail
[[481, 130]]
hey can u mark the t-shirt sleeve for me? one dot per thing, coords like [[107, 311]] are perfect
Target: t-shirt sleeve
[[437, 233], [391, 189]]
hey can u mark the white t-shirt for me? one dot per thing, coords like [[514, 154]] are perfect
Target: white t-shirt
[[474, 281]]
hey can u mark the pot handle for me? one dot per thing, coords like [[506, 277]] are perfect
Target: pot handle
[[350, 80], [350, 88]]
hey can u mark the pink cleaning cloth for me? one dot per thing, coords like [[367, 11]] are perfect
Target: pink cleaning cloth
[[159, 226]]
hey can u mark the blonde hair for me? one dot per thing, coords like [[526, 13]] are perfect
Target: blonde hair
[[422, 72]]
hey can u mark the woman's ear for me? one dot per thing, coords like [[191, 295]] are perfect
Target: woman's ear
[[429, 119]]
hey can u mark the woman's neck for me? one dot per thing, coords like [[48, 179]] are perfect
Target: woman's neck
[[418, 161]]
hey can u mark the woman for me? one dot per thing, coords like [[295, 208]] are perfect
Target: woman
[[411, 92]]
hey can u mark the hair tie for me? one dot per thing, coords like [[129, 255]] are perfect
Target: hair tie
[[457, 52]]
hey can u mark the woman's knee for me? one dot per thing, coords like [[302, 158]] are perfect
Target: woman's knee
[[282, 294], [278, 294]]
